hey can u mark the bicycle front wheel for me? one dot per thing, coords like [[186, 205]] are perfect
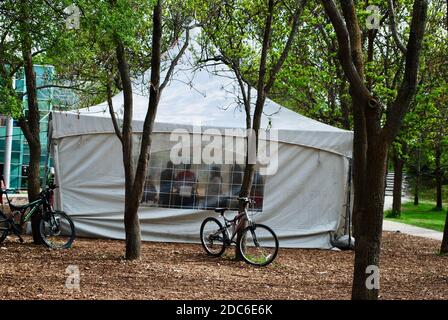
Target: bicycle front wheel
[[258, 245], [57, 230], [213, 237]]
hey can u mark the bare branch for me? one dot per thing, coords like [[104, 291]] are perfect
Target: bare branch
[[345, 50], [355, 35], [35, 53], [175, 61], [393, 27], [60, 86], [241, 82], [112, 112], [295, 26], [409, 84]]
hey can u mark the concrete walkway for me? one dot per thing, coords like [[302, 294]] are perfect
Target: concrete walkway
[[406, 228], [411, 230]]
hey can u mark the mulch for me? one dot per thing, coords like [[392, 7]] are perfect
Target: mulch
[[410, 269]]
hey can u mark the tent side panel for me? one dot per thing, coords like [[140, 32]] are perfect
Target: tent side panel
[[306, 197], [303, 202]]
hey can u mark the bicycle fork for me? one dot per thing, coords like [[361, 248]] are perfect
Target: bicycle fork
[[254, 237]]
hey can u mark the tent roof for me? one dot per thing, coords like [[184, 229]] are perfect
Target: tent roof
[[206, 96]]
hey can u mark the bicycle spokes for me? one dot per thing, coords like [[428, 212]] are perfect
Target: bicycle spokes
[[258, 245], [57, 230], [213, 237]]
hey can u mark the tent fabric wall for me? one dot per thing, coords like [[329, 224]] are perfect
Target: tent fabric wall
[[303, 200]]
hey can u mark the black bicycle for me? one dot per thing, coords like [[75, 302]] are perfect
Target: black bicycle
[[257, 244], [55, 227]]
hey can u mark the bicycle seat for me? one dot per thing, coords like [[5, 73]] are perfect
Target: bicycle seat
[[220, 210]]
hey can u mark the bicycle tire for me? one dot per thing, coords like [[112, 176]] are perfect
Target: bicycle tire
[[265, 233], [218, 229], [5, 225], [48, 228]]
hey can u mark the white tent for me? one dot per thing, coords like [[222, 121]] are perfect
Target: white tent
[[304, 201]]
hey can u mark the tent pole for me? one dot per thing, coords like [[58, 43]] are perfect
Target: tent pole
[[47, 153]]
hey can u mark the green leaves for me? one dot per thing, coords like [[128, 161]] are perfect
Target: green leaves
[[234, 29], [10, 103]]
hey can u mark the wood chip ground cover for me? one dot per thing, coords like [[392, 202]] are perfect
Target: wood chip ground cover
[[410, 269]]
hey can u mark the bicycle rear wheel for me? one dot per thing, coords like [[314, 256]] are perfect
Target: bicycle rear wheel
[[258, 245], [57, 230], [4, 227], [213, 237]]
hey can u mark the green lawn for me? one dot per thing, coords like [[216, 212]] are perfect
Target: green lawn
[[429, 194], [422, 215]]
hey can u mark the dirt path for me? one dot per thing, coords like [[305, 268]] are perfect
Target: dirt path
[[410, 269]]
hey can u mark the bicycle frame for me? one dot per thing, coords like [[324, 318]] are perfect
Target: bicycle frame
[[251, 236], [50, 223], [34, 205], [235, 222]]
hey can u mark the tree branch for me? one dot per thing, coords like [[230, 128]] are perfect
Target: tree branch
[[112, 113], [355, 34], [345, 50], [409, 84], [393, 27], [175, 61], [295, 26], [241, 82]]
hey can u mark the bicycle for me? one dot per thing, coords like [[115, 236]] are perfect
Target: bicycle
[[56, 229], [258, 244]]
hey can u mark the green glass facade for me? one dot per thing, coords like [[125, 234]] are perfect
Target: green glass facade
[[48, 98]]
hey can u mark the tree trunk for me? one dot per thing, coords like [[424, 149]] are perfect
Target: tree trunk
[[133, 233], [30, 124], [249, 170], [359, 160], [246, 186], [369, 222], [34, 188], [371, 139], [342, 94], [135, 180], [398, 183], [417, 180], [444, 246], [438, 174], [416, 190], [131, 222]]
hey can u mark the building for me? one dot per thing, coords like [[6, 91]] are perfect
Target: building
[[48, 99]]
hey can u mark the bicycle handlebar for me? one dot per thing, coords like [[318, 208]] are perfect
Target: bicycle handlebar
[[245, 199], [13, 190]]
